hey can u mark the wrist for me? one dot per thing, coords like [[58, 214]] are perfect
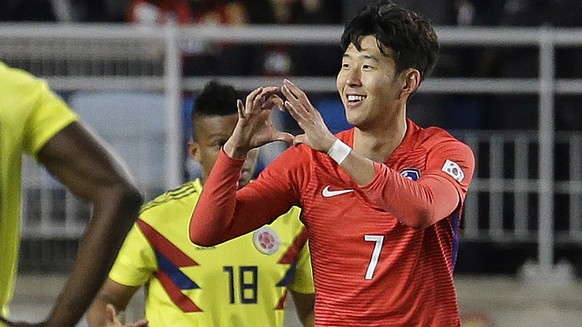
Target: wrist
[[339, 151], [234, 151]]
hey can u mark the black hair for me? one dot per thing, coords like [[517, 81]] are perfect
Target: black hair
[[401, 33], [216, 99]]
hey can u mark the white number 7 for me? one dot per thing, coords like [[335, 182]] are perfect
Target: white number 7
[[379, 239]]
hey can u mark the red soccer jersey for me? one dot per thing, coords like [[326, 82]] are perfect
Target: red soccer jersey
[[370, 267]]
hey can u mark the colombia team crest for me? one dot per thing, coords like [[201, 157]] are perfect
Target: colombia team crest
[[266, 240]]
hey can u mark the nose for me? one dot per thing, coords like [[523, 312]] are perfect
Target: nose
[[353, 77]]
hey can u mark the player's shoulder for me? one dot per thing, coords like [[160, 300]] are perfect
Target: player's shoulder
[[441, 145], [17, 79], [434, 136], [17, 91], [433, 133], [182, 195]]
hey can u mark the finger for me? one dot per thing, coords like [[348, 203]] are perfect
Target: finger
[[110, 313], [271, 89], [241, 108], [265, 98], [298, 94], [295, 111], [250, 100], [273, 101], [140, 323], [293, 89], [291, 110], [261, 98], [285, 137], [287, 93], [282, 107], [291, 99]]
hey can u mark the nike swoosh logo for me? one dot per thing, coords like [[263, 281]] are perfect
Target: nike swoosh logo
[[327, 193]]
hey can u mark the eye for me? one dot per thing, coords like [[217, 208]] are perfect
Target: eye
[[217, 143]]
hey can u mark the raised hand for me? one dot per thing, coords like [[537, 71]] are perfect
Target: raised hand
[[255, 127], [113, 319], [316, 134]]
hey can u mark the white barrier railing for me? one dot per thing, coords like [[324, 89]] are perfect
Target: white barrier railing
[[121, 57]]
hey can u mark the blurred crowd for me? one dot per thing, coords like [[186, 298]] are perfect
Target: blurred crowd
[[477, 111]]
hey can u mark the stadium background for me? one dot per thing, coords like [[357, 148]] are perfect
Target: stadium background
[[520, 258]]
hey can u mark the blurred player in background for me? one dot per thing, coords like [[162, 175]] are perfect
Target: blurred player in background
[[36, 122], [243, 282], [381, 202]]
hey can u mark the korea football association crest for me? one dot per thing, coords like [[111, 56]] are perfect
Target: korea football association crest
[[454, 170], [410, 173], [266, 240]]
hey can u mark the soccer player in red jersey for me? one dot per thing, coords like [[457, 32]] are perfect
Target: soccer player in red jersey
[[381, 201]]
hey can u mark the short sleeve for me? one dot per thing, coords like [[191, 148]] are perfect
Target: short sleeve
[[49, 116], [136, 261]]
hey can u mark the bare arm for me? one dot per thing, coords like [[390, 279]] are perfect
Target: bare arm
[[116, 296], [89, 170], [304, 304]]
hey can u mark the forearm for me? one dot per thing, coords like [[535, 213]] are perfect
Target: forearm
[[417, 204], [223, 213], [215, 208], [360, 168], [112, 294], [113, 213], [97, 313]]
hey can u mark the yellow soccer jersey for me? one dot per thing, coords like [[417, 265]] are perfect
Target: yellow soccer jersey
[[30, 114], [242, 282]]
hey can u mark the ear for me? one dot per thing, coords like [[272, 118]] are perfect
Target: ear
[[411, 81], [193, 152]]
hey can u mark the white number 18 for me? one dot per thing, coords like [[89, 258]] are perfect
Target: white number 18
[[379, 239]]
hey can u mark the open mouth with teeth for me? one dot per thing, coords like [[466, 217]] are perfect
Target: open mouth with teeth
[[355, 98]]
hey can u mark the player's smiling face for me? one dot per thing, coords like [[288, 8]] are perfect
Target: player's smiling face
[[368, 84]]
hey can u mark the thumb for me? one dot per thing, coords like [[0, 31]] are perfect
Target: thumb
[[299, 139], [140, 323], [285, 137], [111, 313]]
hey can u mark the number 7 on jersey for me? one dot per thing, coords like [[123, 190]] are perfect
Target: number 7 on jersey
[[379, 239]]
